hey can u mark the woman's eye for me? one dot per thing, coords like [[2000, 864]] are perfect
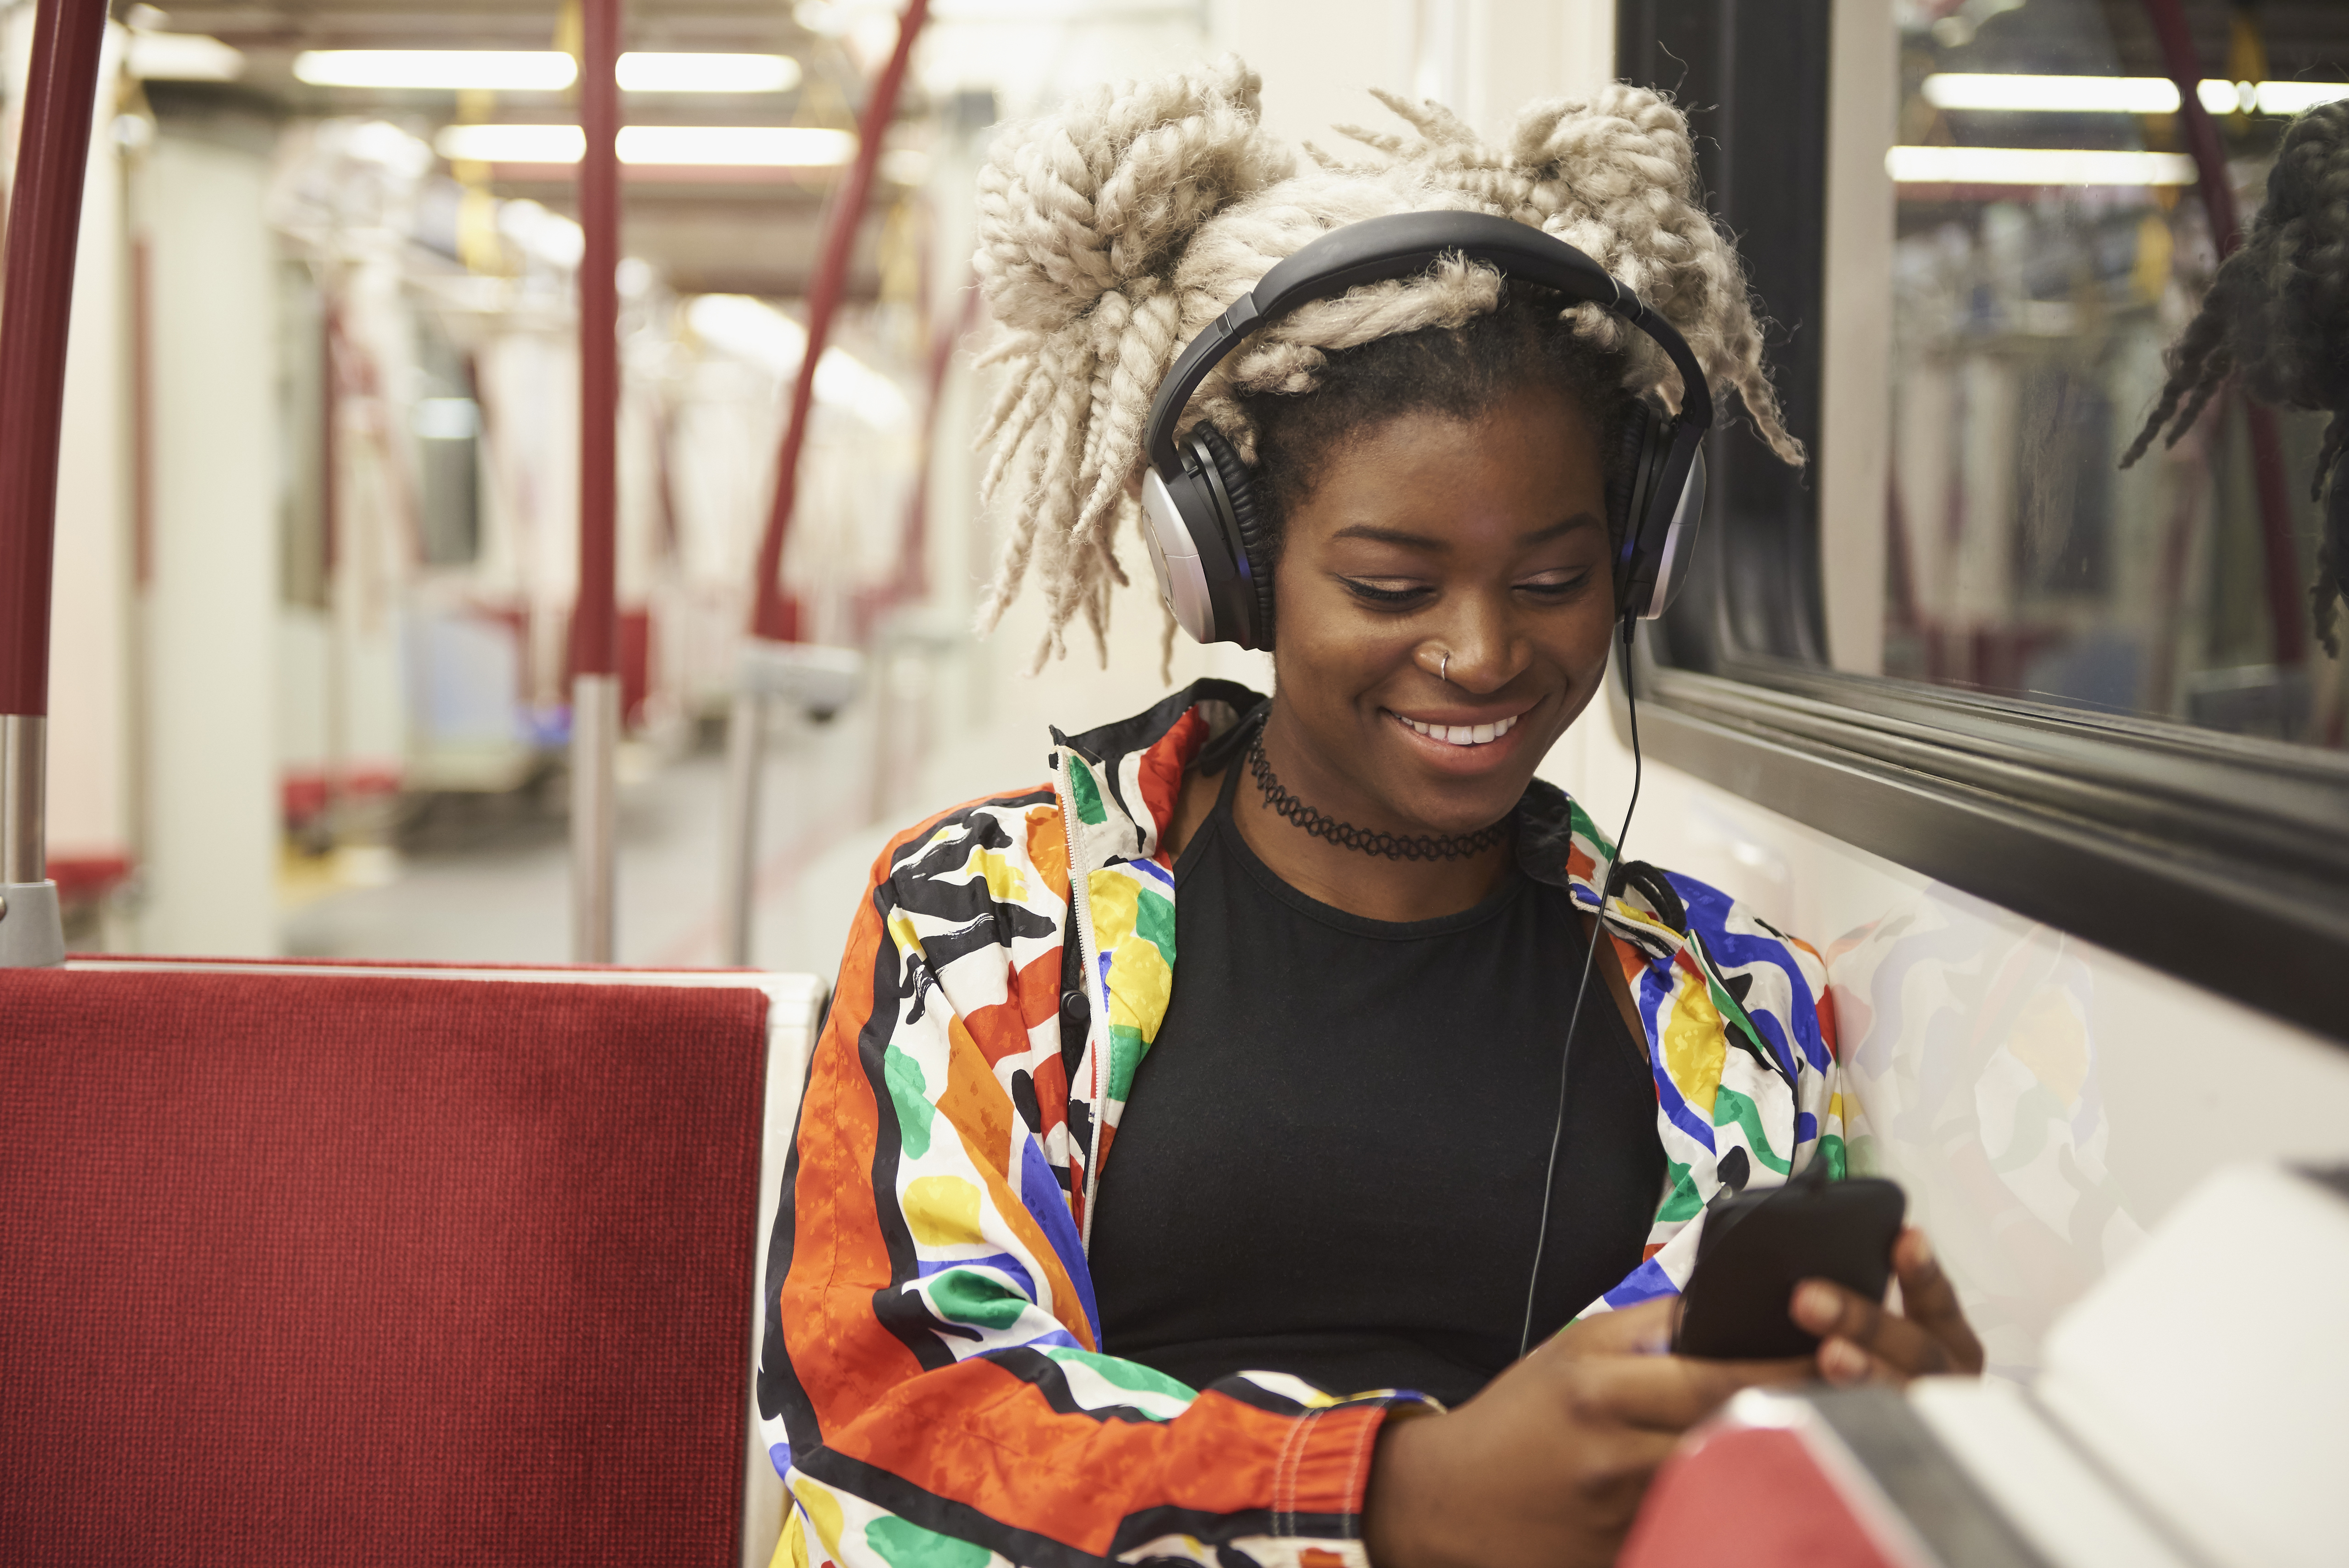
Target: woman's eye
[[1407, 593], [1556, 587]]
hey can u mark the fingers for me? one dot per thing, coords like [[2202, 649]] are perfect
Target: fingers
[[1846, 1365], [1862, 1341], [1832, 1312], [1930, 1299]]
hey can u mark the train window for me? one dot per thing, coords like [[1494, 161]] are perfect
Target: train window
[[1965, 637], [2047, 246]]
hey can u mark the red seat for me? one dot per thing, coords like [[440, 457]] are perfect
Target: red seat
[[347, 1263]]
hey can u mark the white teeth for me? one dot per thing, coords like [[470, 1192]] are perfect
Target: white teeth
[[1463, 734]]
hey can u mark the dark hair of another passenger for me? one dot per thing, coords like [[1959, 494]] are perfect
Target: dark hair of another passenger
[[2277, 317], [1456, 371]]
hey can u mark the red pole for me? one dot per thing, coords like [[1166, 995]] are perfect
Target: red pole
[[595, 612], [2280, 557], [594, 631], [44, 224], [2184, 64], [775, 618], [36, 308]]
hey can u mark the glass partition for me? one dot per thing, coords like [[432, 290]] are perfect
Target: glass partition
[[2050, 240]]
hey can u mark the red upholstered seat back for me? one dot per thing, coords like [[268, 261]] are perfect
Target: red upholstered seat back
[[334, 1269]]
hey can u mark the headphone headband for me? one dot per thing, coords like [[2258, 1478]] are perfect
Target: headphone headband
[[1209, 538], [1402, 245]]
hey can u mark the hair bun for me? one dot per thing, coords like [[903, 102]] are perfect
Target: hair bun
[[1114, 231], [1106, 191]]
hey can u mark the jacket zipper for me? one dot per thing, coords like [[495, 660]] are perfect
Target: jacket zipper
[[1081, 907]]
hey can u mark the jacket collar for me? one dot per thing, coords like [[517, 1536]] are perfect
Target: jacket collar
[[1136, 769]]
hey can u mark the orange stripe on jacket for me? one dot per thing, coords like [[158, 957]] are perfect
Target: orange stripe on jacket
[[843, 1360], [1013, 1462]]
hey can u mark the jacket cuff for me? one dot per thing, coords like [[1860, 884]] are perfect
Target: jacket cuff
[[1324, 1472]]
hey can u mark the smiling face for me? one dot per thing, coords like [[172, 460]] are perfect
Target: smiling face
[[1428, 534]]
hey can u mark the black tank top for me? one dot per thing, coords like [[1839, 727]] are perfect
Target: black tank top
[[1330, 1161]]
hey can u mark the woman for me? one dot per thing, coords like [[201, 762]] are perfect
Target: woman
[[1334, 1117]]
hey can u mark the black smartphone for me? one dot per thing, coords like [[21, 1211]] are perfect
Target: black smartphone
[[1758, 1245]]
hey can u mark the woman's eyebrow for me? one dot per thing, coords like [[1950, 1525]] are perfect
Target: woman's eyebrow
[[1564, 525], [1407, 541], [1392, 536]]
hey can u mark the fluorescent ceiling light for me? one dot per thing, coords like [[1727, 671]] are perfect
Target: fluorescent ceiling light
[[2034, 165], [743, 146], [675, 145], [2227, 97], [512, 144], [539, 71], [182, 57], [652, 73], [2055, 94], [2119, 95], [2297, 97], [438, 70]]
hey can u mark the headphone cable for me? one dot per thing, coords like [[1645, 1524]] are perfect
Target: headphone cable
[[1589, 958]]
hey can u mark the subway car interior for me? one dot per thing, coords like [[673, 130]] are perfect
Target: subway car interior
[[621, 619]]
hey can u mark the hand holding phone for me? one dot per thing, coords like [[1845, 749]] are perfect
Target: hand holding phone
[[1756, 1247]]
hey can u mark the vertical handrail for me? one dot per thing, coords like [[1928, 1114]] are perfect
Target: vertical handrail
[[594, 619], [36, 310], [774, 616], [2278, 553], [330, 459]]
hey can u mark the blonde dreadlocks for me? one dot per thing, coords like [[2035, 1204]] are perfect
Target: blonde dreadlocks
[[1114, 231]]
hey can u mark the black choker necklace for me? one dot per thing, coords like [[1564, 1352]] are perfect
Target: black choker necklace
[[1346, 836]]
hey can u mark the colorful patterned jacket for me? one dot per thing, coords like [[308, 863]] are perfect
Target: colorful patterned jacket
[[932, 1381]]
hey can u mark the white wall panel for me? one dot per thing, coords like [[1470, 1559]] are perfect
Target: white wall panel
[[2044, 1101], [212, 606]]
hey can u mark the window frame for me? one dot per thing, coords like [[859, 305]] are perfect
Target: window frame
[[2222, 860]]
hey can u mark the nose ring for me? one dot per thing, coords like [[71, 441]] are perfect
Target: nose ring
[[1444, 669]]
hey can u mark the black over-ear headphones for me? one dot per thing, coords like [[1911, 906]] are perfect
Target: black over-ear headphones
[[1201, 518]]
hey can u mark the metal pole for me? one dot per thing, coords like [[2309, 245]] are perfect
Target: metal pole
[[595, 814], [595, 623], [330, 447], [746, 746], [36, 308]]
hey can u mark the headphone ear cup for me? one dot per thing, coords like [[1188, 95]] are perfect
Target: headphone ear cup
[[1251, 536], [1627, 492], [1623, 473]]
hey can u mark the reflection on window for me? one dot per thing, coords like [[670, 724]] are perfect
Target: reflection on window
[[2050, 243]]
